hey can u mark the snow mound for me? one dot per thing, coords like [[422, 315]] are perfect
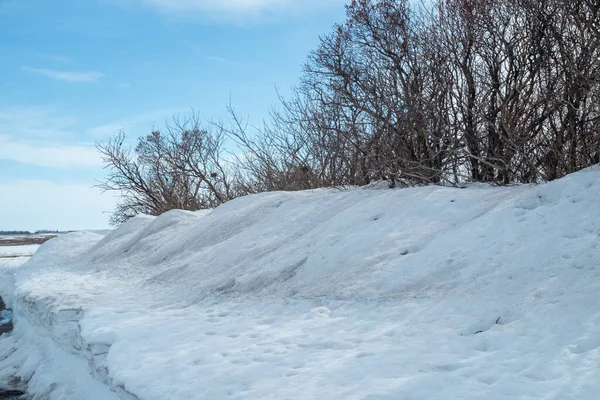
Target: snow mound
[[363, 294]]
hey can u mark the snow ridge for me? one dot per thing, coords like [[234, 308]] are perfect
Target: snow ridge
[[362, 294]]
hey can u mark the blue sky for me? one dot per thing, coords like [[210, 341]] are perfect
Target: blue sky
[[74, 72]]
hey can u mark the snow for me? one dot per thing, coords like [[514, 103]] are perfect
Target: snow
[[419, 293], [12, 251], [11, 258]]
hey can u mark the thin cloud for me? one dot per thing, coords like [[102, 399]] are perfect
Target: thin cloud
[[217, 59], [223, 61], [54, 58], [49, 155], [238, 8], [40, 122], [140, 123], [41, 204], [67, 76]]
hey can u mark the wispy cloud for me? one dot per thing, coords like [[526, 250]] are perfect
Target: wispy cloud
[[223, 61], [217, 59], [53, 58], [67, 76], [143, 121], [46, 154], [35, 122], [238, 8], [211, 5], [37, 204]]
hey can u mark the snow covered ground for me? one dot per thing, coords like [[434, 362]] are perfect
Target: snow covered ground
[[16, 251], [421, 293]]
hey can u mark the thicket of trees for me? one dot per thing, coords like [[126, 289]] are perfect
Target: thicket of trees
[[496, 91]]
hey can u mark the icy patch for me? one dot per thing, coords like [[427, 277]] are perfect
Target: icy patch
[[6, 317]]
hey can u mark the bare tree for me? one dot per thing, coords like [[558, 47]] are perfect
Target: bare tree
[[461, 90], [496, 91], [182, 168]]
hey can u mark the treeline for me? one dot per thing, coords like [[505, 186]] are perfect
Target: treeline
[[456, 91]]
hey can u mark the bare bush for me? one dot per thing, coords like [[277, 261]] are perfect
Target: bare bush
[[180, 168], [453, 91], [462, 90]]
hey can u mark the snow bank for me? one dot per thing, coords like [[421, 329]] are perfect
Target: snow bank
[[417, 293]]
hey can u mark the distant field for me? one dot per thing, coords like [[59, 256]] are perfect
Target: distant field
[[23, 240]]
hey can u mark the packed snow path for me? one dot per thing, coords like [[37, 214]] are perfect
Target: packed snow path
[[422, 293]]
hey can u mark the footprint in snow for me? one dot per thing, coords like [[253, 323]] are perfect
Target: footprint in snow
[[585, 344]]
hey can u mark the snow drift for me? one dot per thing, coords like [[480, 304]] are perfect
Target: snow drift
[[420, 293]]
